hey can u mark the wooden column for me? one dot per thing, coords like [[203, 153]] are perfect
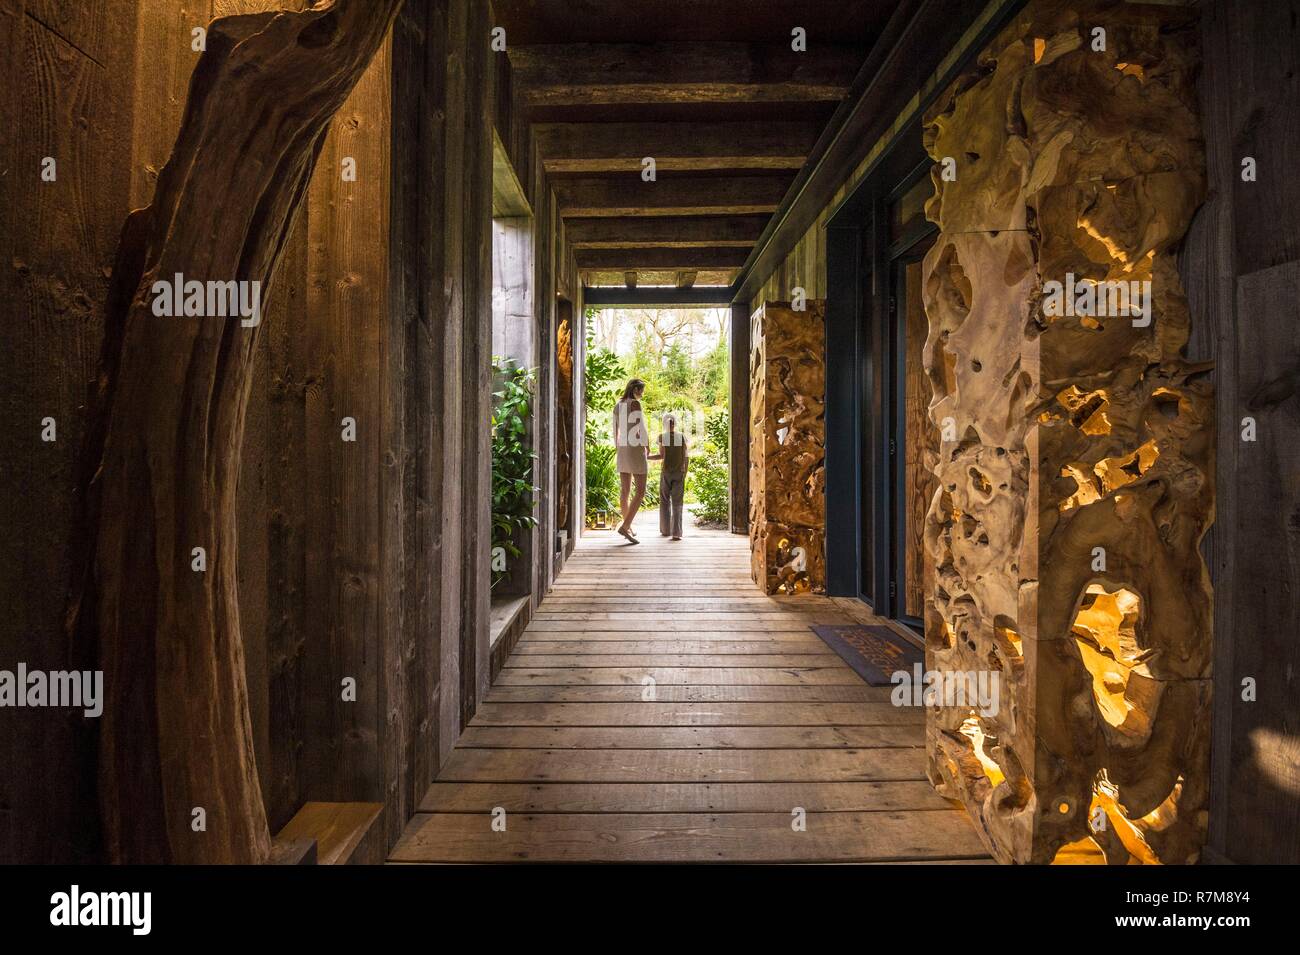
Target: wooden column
[[739, 401], [1076, 467], [787, 453], [475, 191]]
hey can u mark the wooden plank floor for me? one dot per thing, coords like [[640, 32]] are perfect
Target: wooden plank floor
[[660, 709]]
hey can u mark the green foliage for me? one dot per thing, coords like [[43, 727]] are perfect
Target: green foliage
[[710, 474], [512, 458], [604, 383], [677, 380], [602, 479]]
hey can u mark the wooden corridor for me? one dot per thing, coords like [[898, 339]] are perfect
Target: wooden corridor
[[752, 717]]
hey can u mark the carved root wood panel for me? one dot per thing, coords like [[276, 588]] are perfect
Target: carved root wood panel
[[564, 422], [787, 456], [1076, 467], [172, 392]]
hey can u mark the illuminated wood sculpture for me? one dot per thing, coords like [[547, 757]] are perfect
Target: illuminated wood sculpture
[[787, 435], [1076, 467]]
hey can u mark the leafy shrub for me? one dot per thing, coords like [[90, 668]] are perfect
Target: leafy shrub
[[710, 473], [602, 479], [604, 373], [604, 379], [512, 458]]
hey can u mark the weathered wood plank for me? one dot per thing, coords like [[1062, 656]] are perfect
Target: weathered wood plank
[[696, 714], [538, 661], [670, 837], [684, 797], [675, 766], [692, 737], [679, 676], [711, 649], [673, 232], [620, 147], [678, 196], [587, 74], [618, 259], [711, 693]]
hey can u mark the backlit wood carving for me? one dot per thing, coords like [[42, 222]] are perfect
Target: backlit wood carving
[[1076, 466], [787, 483]]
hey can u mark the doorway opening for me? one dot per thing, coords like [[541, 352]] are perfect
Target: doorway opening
[[683, 357]]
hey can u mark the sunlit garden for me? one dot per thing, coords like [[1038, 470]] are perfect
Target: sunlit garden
[[682, 356]]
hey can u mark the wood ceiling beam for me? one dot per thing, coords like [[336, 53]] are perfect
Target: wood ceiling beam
[[619, 295], [664, 231], [630, 195], [659, 259], [587, 74], [620, 147]]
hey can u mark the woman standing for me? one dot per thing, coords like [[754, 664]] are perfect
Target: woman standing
[[631, 441]]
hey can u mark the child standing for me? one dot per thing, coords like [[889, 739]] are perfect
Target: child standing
[[672, 479]]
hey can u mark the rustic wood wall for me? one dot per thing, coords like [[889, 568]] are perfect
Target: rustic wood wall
[[787, 483], [359, 559], [556, 287], [67, 71], [1077, 465], [1241, 265]]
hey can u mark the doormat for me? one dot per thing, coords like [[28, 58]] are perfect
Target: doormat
[[874, 652]]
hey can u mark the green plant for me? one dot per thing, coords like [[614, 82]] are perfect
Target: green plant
[[710, 474], [602, 479], [513, 491], [604, 373]]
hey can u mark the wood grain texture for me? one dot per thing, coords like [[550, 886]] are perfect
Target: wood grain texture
[[161, 489], [590, 762], [787, 452], [1067, 432], [62, 74], [1249, 108]]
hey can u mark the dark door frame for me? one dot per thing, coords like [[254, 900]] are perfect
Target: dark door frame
[[891, 552], [858, 376]]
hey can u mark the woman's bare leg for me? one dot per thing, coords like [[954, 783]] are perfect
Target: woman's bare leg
[[625, 485], [629, 513]]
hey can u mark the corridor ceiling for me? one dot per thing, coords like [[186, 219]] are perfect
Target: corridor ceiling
[[712, 91]]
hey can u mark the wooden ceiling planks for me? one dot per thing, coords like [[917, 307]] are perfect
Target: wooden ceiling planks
[[728, 99]]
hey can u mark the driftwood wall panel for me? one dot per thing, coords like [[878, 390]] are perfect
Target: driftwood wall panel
[[787, 481], [1077, 468]]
